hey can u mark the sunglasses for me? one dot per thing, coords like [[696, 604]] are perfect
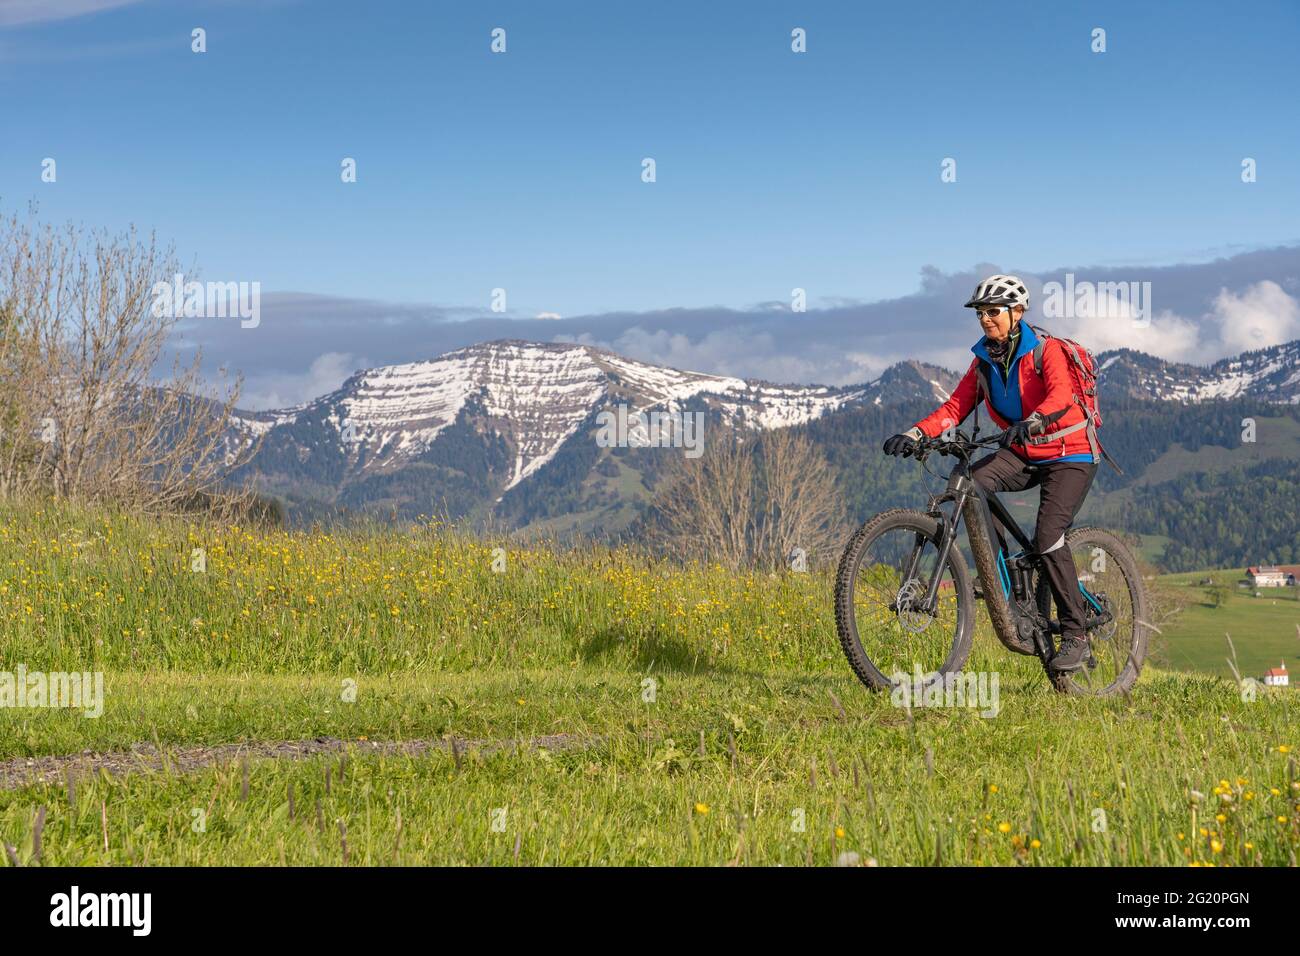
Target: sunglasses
[[994, 312]]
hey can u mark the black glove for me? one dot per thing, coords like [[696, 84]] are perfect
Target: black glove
[[903, 445], [1021, 430]]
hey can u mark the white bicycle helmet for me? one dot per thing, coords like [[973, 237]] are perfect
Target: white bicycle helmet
[[1000, 290]]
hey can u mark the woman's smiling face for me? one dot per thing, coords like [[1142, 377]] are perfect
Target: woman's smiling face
[[996, 321]]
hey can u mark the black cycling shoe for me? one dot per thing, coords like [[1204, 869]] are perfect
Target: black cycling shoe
[[1072, 654]]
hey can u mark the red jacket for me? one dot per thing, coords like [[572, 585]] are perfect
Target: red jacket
[[1050, 393]]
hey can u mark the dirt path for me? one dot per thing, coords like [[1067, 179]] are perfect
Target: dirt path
[[22, 771]]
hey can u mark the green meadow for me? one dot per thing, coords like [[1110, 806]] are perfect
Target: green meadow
[[1264, 630], [566, 707]]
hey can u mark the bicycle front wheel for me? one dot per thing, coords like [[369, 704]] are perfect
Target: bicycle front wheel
[[888, 630]]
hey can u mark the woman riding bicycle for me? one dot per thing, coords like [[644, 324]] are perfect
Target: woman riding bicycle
[[1032, 407]]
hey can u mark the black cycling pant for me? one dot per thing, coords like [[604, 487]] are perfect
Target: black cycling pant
[[1062, 487]]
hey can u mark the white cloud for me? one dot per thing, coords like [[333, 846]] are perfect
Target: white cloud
[[866, 366], [1199, 313], [281, 390], [954, 359], [1261, 316], [1166, 335]]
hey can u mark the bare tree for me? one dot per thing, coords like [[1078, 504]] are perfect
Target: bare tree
[[752, 498], [704, 507], [801, 505], [86, 413]]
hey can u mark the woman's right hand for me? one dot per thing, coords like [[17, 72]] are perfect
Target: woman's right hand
[[904, 445]]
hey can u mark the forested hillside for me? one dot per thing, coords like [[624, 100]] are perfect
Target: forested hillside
[[1234, 518]]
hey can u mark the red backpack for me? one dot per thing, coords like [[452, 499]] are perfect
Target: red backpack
[[1083, 379]]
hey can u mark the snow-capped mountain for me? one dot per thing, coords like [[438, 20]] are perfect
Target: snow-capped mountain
[[473, 428], [1270, 375], [536, 396]]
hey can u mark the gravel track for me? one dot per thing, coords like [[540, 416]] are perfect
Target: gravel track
[[25, 771]]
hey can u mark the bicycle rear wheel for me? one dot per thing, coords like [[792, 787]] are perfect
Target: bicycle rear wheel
[[1114, 596], [880, 614]]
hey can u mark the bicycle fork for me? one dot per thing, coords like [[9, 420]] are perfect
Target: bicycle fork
[[947, 535]]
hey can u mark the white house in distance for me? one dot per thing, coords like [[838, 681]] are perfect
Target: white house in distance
[[1270, 576], [1277, 676]]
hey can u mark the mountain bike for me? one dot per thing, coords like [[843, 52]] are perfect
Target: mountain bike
[[904, 601]]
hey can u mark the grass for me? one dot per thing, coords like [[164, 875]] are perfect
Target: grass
[[1265, 630], [718, 719], [1152, 548]]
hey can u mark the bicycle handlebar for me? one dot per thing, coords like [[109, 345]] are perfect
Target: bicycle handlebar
[[959, 445]]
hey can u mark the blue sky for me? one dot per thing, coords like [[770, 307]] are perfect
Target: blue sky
[[775, 170]]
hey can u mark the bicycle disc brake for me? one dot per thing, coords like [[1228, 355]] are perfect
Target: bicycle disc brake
[[911, 616]]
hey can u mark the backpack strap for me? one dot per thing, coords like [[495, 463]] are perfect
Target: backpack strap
[[1094, 443], [1043, 336], [1046, 437], [982, 389]]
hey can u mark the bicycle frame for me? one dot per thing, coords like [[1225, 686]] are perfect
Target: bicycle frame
[[1008, 597]]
